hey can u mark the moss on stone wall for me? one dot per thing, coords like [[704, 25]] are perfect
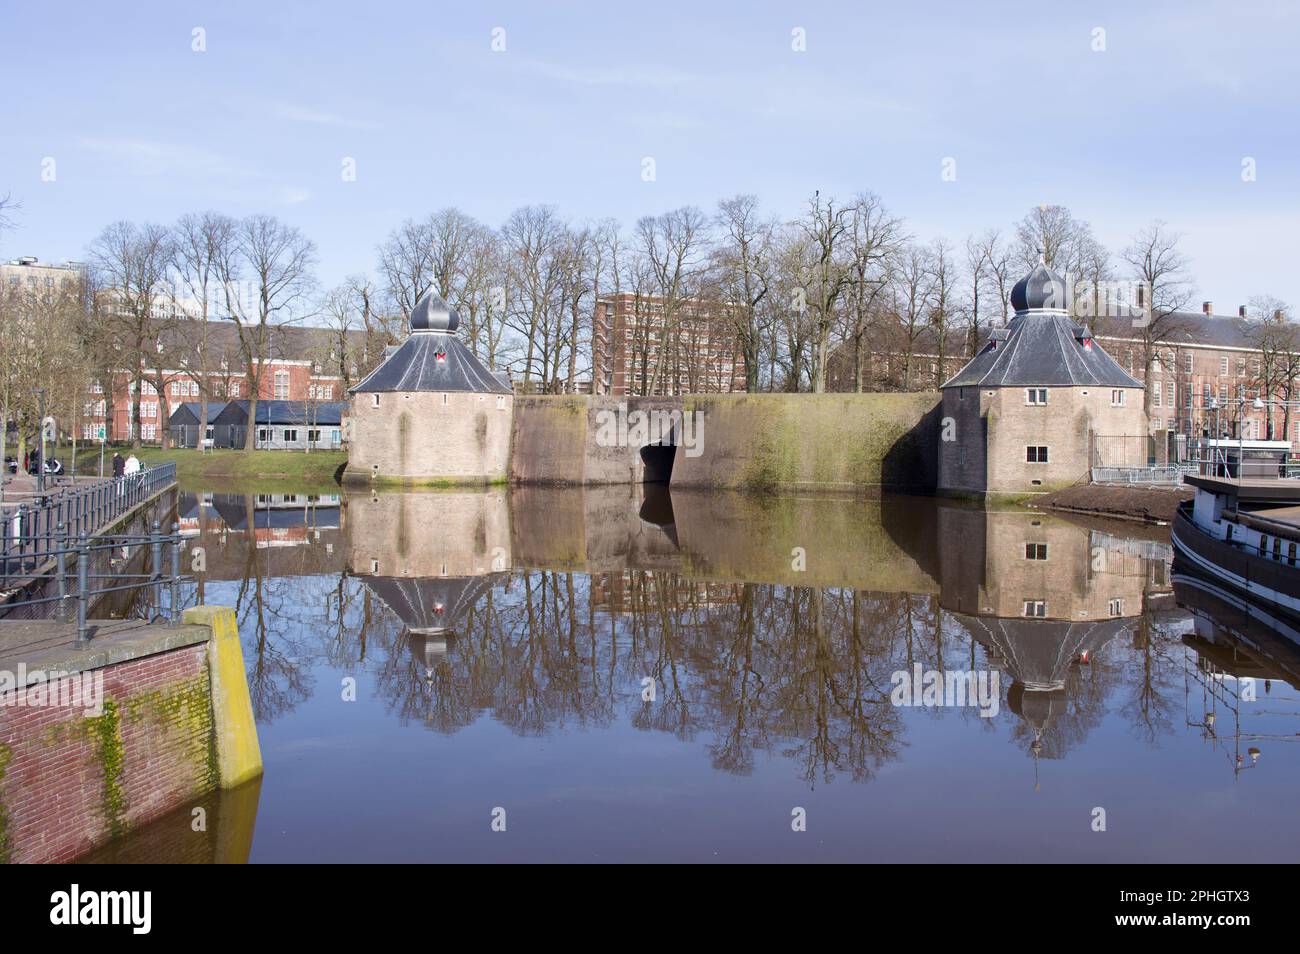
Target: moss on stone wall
[[770, 442], [185, 707], [6, 753], [105, 732]]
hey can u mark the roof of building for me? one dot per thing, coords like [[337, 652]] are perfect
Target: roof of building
[[188, 411], [431, 313], [282, 343], [432, 358], [1042, 346], [1041, 288], [1184, 328], [325, 413]]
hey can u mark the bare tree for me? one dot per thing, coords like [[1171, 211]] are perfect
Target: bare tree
[[743, 264], [197, 241], [266, 276], [943, 280], [131, 264], [1160, 269], [1271, 331], [673, 247], [534, 236]]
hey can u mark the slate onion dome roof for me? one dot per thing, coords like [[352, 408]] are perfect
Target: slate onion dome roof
[[1040, 289], [432, 358], [1042, 346], [431, 313]]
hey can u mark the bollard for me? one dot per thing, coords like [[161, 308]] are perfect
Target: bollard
[[83, 584]]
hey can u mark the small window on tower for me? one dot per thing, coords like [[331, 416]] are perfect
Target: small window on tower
[[374, 400]]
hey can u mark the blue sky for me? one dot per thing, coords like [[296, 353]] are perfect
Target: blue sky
[[142, 127]]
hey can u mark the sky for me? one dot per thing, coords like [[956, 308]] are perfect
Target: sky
[[144, 111]]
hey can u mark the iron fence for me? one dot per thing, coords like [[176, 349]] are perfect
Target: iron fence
[[102, 570], [38, 526]]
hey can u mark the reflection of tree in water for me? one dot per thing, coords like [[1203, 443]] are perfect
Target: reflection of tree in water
[[1153, 676], [751, 667], [271, 623], [756, 667]]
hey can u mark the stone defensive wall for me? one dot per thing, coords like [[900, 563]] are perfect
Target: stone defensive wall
[[824, 443]]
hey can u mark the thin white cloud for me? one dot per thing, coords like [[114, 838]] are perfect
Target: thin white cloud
[[296, 113], [631, 76], [148, 157], [292, 195], [220, 176]]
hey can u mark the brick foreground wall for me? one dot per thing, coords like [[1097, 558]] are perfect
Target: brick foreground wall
[[70, 781]]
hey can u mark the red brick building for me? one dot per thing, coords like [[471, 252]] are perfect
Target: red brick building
[[304, 364], [631, 335]]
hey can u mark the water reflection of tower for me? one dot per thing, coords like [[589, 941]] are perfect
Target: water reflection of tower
[[1043, 596], [430, 558]]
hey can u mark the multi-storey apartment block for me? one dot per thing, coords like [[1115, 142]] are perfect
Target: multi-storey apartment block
[[642, 346]]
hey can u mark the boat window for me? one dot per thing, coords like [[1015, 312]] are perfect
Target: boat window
[[1263, 544], [1228, 537], [1290, 553], [1277, 549]]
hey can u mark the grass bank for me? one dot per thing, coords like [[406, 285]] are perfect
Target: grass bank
[[272, 467]]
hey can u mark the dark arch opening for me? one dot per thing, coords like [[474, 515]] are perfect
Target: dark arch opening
[[658, 461]]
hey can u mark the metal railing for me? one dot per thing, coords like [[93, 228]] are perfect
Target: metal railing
[[96, 576], [1164, 476], [40, 525]]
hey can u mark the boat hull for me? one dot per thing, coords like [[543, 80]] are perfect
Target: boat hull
[[1274, 583]]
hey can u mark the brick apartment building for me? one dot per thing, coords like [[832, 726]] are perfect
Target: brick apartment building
[[1203, 358], [304, 365], [699, 352]]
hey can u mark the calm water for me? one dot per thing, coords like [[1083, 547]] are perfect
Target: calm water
[[501, 644]]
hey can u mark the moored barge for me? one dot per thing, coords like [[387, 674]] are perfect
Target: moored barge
[[1246, 535]]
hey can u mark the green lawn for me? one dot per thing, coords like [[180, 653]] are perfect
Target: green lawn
[[296, 467]]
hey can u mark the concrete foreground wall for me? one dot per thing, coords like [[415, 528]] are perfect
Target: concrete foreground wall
[[769, 442]]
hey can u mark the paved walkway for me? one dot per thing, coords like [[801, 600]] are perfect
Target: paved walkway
[[45, 645], [21, 488]]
